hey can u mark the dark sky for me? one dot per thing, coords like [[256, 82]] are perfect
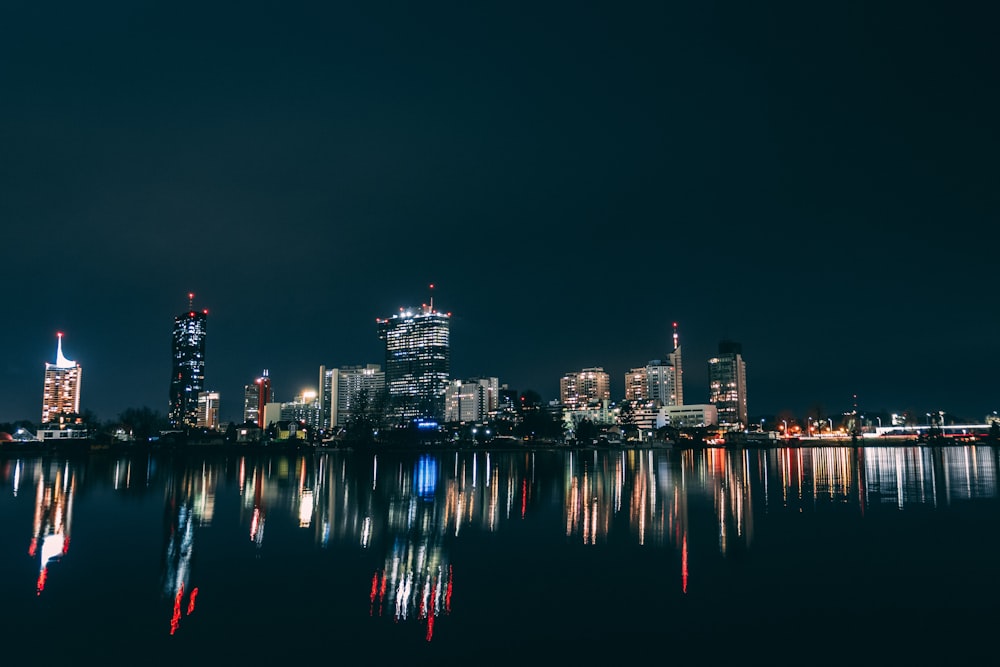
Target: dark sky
[[816, 180]]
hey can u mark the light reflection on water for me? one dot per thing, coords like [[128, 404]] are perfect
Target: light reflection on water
[[361, 546]]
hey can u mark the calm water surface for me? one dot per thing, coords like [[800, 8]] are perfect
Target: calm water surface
[[832, 555]]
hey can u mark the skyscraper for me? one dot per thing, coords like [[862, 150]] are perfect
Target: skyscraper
[[674, 359], [727, 382], [417, 362], [187, 378], [61, 391], [255, 397]]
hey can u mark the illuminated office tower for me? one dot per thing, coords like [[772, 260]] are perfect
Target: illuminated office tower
[[591, 385], [61, 391], [255, 397], [208, 409], [727, 382], [188, 375], [417, 358], [341, 390]]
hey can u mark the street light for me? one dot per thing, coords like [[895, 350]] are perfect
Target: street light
[[831, 424], [785, 422]]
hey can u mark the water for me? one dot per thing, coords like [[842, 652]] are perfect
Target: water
[[832, 555]]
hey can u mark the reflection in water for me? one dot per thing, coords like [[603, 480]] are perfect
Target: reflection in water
[[190, 504], [409, 510], [54, 490]]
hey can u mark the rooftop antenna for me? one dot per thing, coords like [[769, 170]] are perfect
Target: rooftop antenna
[[675, 336], [190, 300], [432, 297]]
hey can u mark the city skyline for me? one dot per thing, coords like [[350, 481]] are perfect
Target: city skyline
[[813, 182], [190, 339]]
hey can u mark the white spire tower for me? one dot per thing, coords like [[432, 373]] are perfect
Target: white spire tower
[[61, 391]]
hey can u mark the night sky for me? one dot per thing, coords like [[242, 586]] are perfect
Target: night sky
[[817, 181]]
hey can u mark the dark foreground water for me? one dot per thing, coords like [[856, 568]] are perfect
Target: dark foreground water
[[833, 555]]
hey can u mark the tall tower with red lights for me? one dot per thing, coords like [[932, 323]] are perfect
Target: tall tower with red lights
[[187, 377]]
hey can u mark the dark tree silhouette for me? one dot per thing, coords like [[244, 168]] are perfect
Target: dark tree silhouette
[[626, 420], [143, 423], [368, 412]]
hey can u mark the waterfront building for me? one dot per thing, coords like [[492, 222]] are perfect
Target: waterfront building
[[579, 389], [601, 413], [727, 382], [640, 419], [342, 389], [187, 377], [271, 413], [61, 429], [659, 381], [304, 409], [208, 409], [688, 416], [417, 362], [255, 396], [471, 400], [61, 388]]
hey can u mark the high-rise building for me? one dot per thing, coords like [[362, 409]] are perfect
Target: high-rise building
[[727, 382], [674, 393], [208, 409], [342, 388], [255, 396], [61, 391], [579, 389], [417, 362], [471, 400], [659, 382], [188, 374]]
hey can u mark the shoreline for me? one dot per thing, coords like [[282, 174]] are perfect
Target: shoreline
[[82, 448]]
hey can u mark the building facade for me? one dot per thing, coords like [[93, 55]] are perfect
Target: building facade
[[688, 416], [208, 409], [727, 386], [348, 388], [255, 397], [304, 409], [417, 363], [472, 400], [187, 377], [579, 389], [61, 389]]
